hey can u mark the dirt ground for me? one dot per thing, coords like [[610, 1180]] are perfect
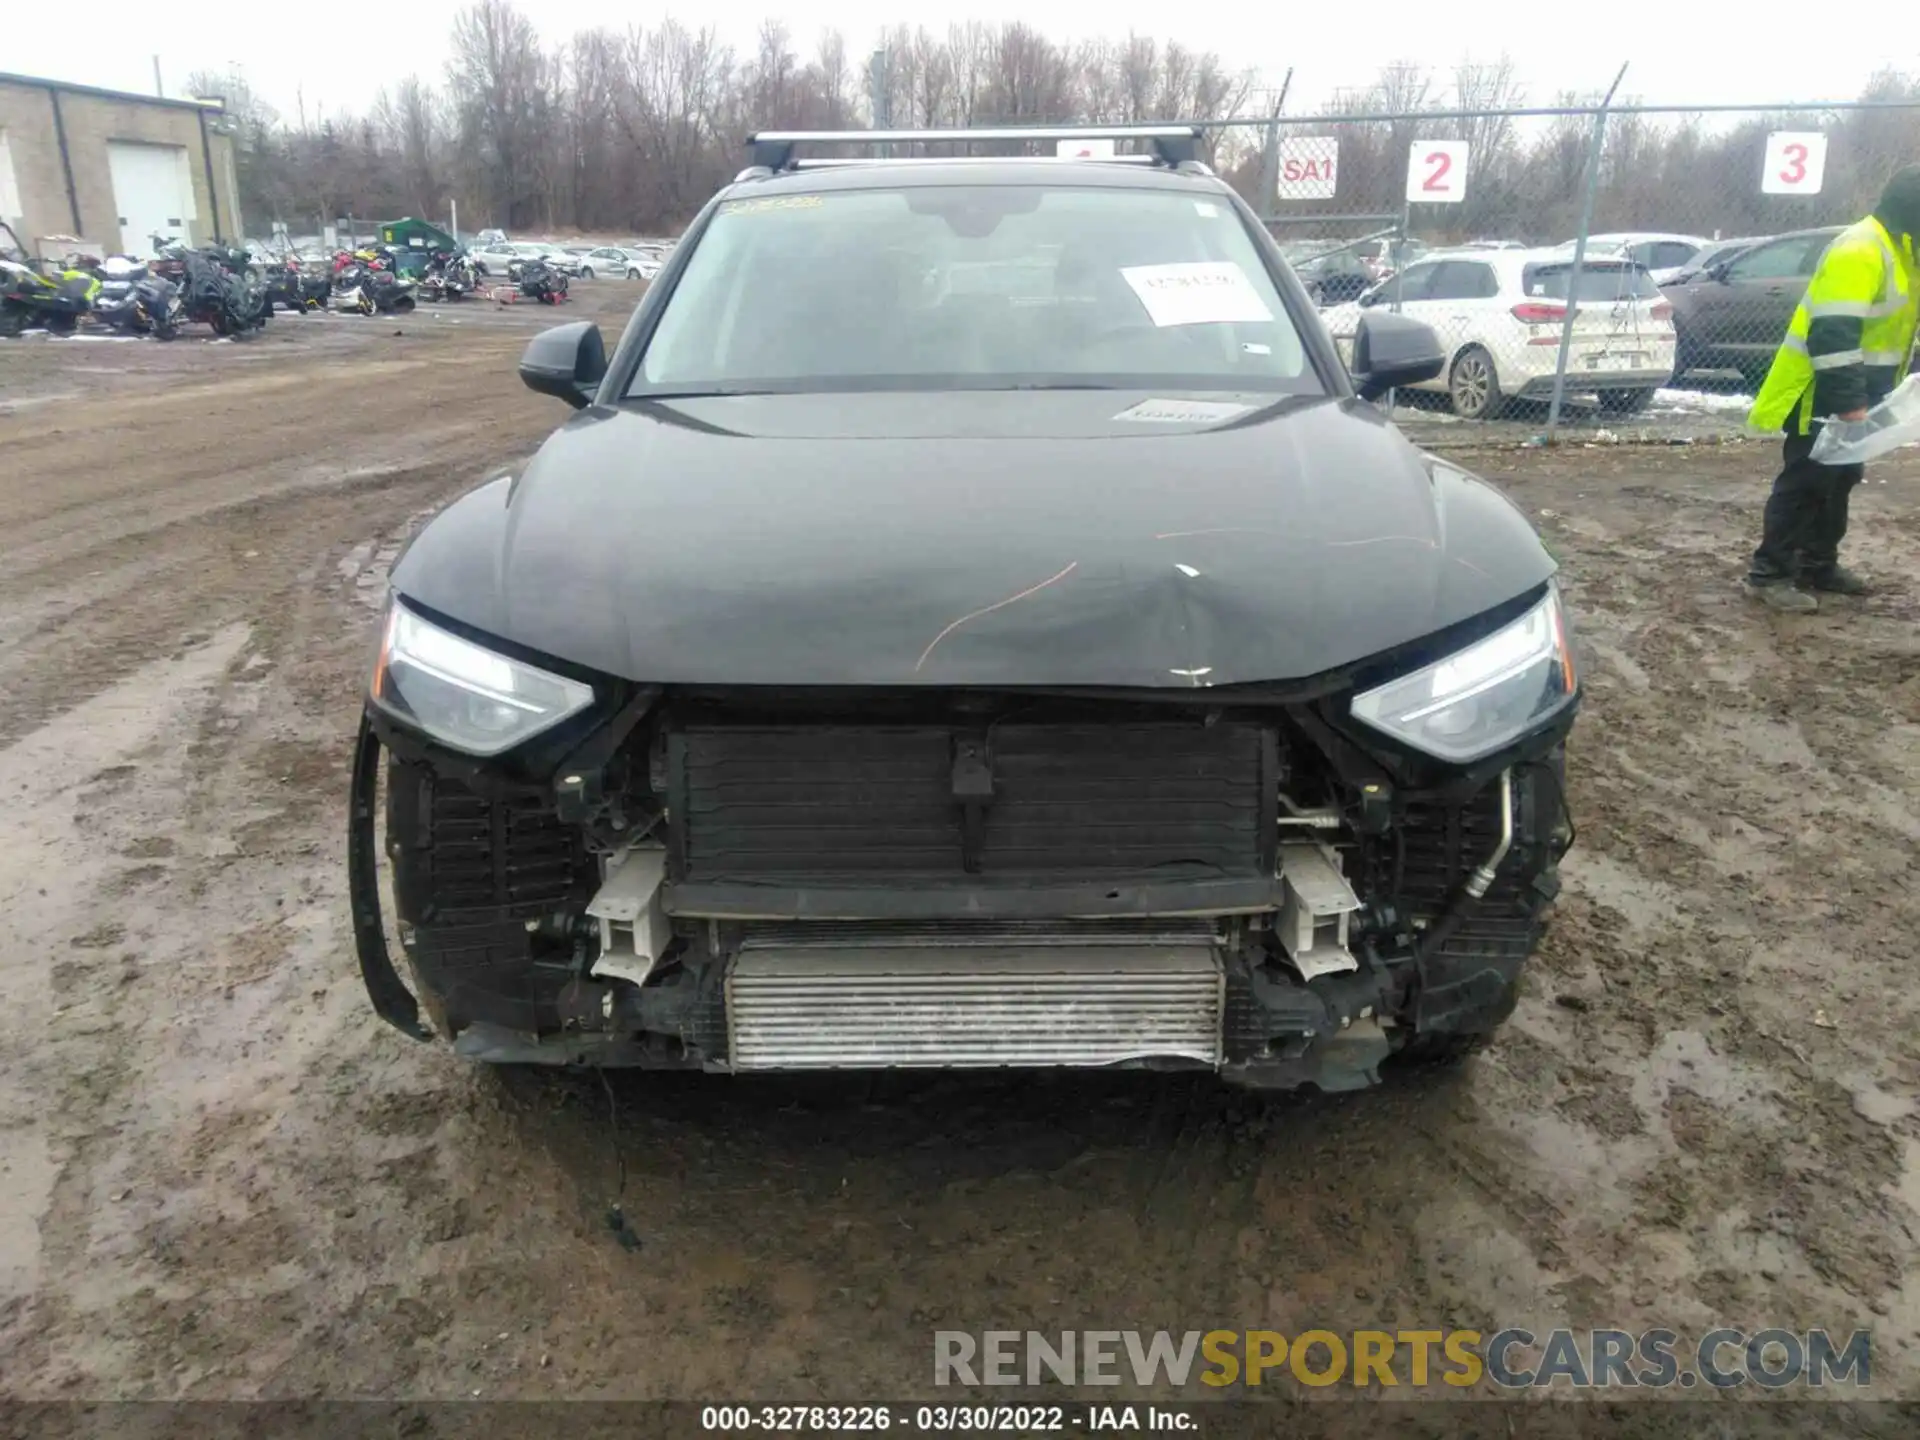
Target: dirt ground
[[220, 1177]]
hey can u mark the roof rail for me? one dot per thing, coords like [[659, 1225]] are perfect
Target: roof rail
[[1172, 145]]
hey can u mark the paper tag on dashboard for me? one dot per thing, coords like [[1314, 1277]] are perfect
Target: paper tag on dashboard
[[1208, 292], [1182, 412]]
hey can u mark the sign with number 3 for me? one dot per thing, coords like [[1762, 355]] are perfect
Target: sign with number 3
[[1437, 172], [1796, 163]]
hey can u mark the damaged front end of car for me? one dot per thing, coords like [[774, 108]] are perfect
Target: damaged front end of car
[[1284, 884]]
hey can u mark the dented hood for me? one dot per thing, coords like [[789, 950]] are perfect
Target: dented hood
[[1093, 538]]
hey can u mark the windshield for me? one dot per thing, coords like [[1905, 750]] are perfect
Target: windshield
[[1719, 251], [975, 287], [1598, 283]]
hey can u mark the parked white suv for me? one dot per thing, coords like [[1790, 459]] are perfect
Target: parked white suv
[[1499, 316], [1658, 251]]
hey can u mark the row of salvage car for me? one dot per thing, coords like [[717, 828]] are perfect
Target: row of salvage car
[[1646, 311]]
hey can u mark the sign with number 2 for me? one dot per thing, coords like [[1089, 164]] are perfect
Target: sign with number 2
[[1796, 163], [1437, 172]]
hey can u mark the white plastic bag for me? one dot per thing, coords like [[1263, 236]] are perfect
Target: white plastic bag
[[1894, 422]]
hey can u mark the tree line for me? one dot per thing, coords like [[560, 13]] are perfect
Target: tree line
[[629, 132]]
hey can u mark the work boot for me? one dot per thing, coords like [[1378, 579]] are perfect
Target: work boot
[[1837, 581], [1782, 595]]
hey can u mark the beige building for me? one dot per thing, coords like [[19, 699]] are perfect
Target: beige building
[[113, 168]]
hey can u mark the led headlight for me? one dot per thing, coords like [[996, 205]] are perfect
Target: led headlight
[[1481, 698], [464, 695]]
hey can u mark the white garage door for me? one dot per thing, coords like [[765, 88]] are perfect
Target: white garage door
[[152, 191], [10, 210]]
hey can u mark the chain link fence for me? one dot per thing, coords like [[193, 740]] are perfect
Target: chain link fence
[[1626, 269]]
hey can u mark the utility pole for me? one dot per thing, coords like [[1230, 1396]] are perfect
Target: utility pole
[[879, 92], [158, 88], [1269, 191], [1596, 145]]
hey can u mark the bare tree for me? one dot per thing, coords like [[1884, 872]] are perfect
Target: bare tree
[[497, 79], [637, 130]]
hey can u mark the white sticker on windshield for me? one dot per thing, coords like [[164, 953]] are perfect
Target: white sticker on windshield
[[1182, 412], [1206, 208], [1207, 293]]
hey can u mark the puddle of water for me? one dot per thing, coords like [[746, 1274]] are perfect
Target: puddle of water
[[356, 559], [1731, 670], [1771, 742], [1906, 1189], [26, 1180], [1628, 669], [27, 402], [1683, 1058], [1646, 905], [1874, 1104], [1589, 1170]]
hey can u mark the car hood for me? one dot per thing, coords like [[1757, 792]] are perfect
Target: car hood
[[1094, 538]]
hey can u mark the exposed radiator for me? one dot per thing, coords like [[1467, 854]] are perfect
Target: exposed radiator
[[766, 803], [798, 1001]]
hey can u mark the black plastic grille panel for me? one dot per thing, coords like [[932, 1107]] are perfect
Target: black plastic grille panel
[[461, 856]]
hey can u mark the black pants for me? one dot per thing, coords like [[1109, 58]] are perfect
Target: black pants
[[1806, 516]]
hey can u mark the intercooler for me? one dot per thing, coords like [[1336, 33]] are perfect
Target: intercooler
[[819, 997]]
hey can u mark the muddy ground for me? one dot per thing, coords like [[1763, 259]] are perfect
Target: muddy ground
[[220, 1177]]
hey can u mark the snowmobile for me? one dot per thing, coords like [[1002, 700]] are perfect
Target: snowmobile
[[448, 277], [538, 280], [291, 286], [34, 294], [134, 300], [360, 286]]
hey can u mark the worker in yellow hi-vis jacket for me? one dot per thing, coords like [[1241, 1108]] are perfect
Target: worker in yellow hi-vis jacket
[[1848, 345]]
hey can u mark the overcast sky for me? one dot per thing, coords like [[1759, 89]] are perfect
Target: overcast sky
[[321, 56]]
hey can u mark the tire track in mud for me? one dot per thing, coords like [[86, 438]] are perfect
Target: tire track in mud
[[1743, 878]]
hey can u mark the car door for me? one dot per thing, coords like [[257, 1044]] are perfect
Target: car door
[[1458, 307], [1749, 310], [1416, 288], [1406, 287], [1410, 286]]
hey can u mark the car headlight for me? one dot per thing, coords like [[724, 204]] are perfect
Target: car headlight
[[1484, 697], [463, 694]]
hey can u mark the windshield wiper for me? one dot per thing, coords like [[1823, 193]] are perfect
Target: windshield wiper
[[716, 392]]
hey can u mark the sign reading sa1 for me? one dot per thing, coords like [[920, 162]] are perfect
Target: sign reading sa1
[[1084, 149], [1309, 167], [1796, 163], [1437, 172]]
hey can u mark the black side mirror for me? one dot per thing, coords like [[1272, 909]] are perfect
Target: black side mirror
[[1719, 274], [567, 361], [1391, 350]]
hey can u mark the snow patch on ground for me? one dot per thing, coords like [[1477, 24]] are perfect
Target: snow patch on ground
[[1684, 400]]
